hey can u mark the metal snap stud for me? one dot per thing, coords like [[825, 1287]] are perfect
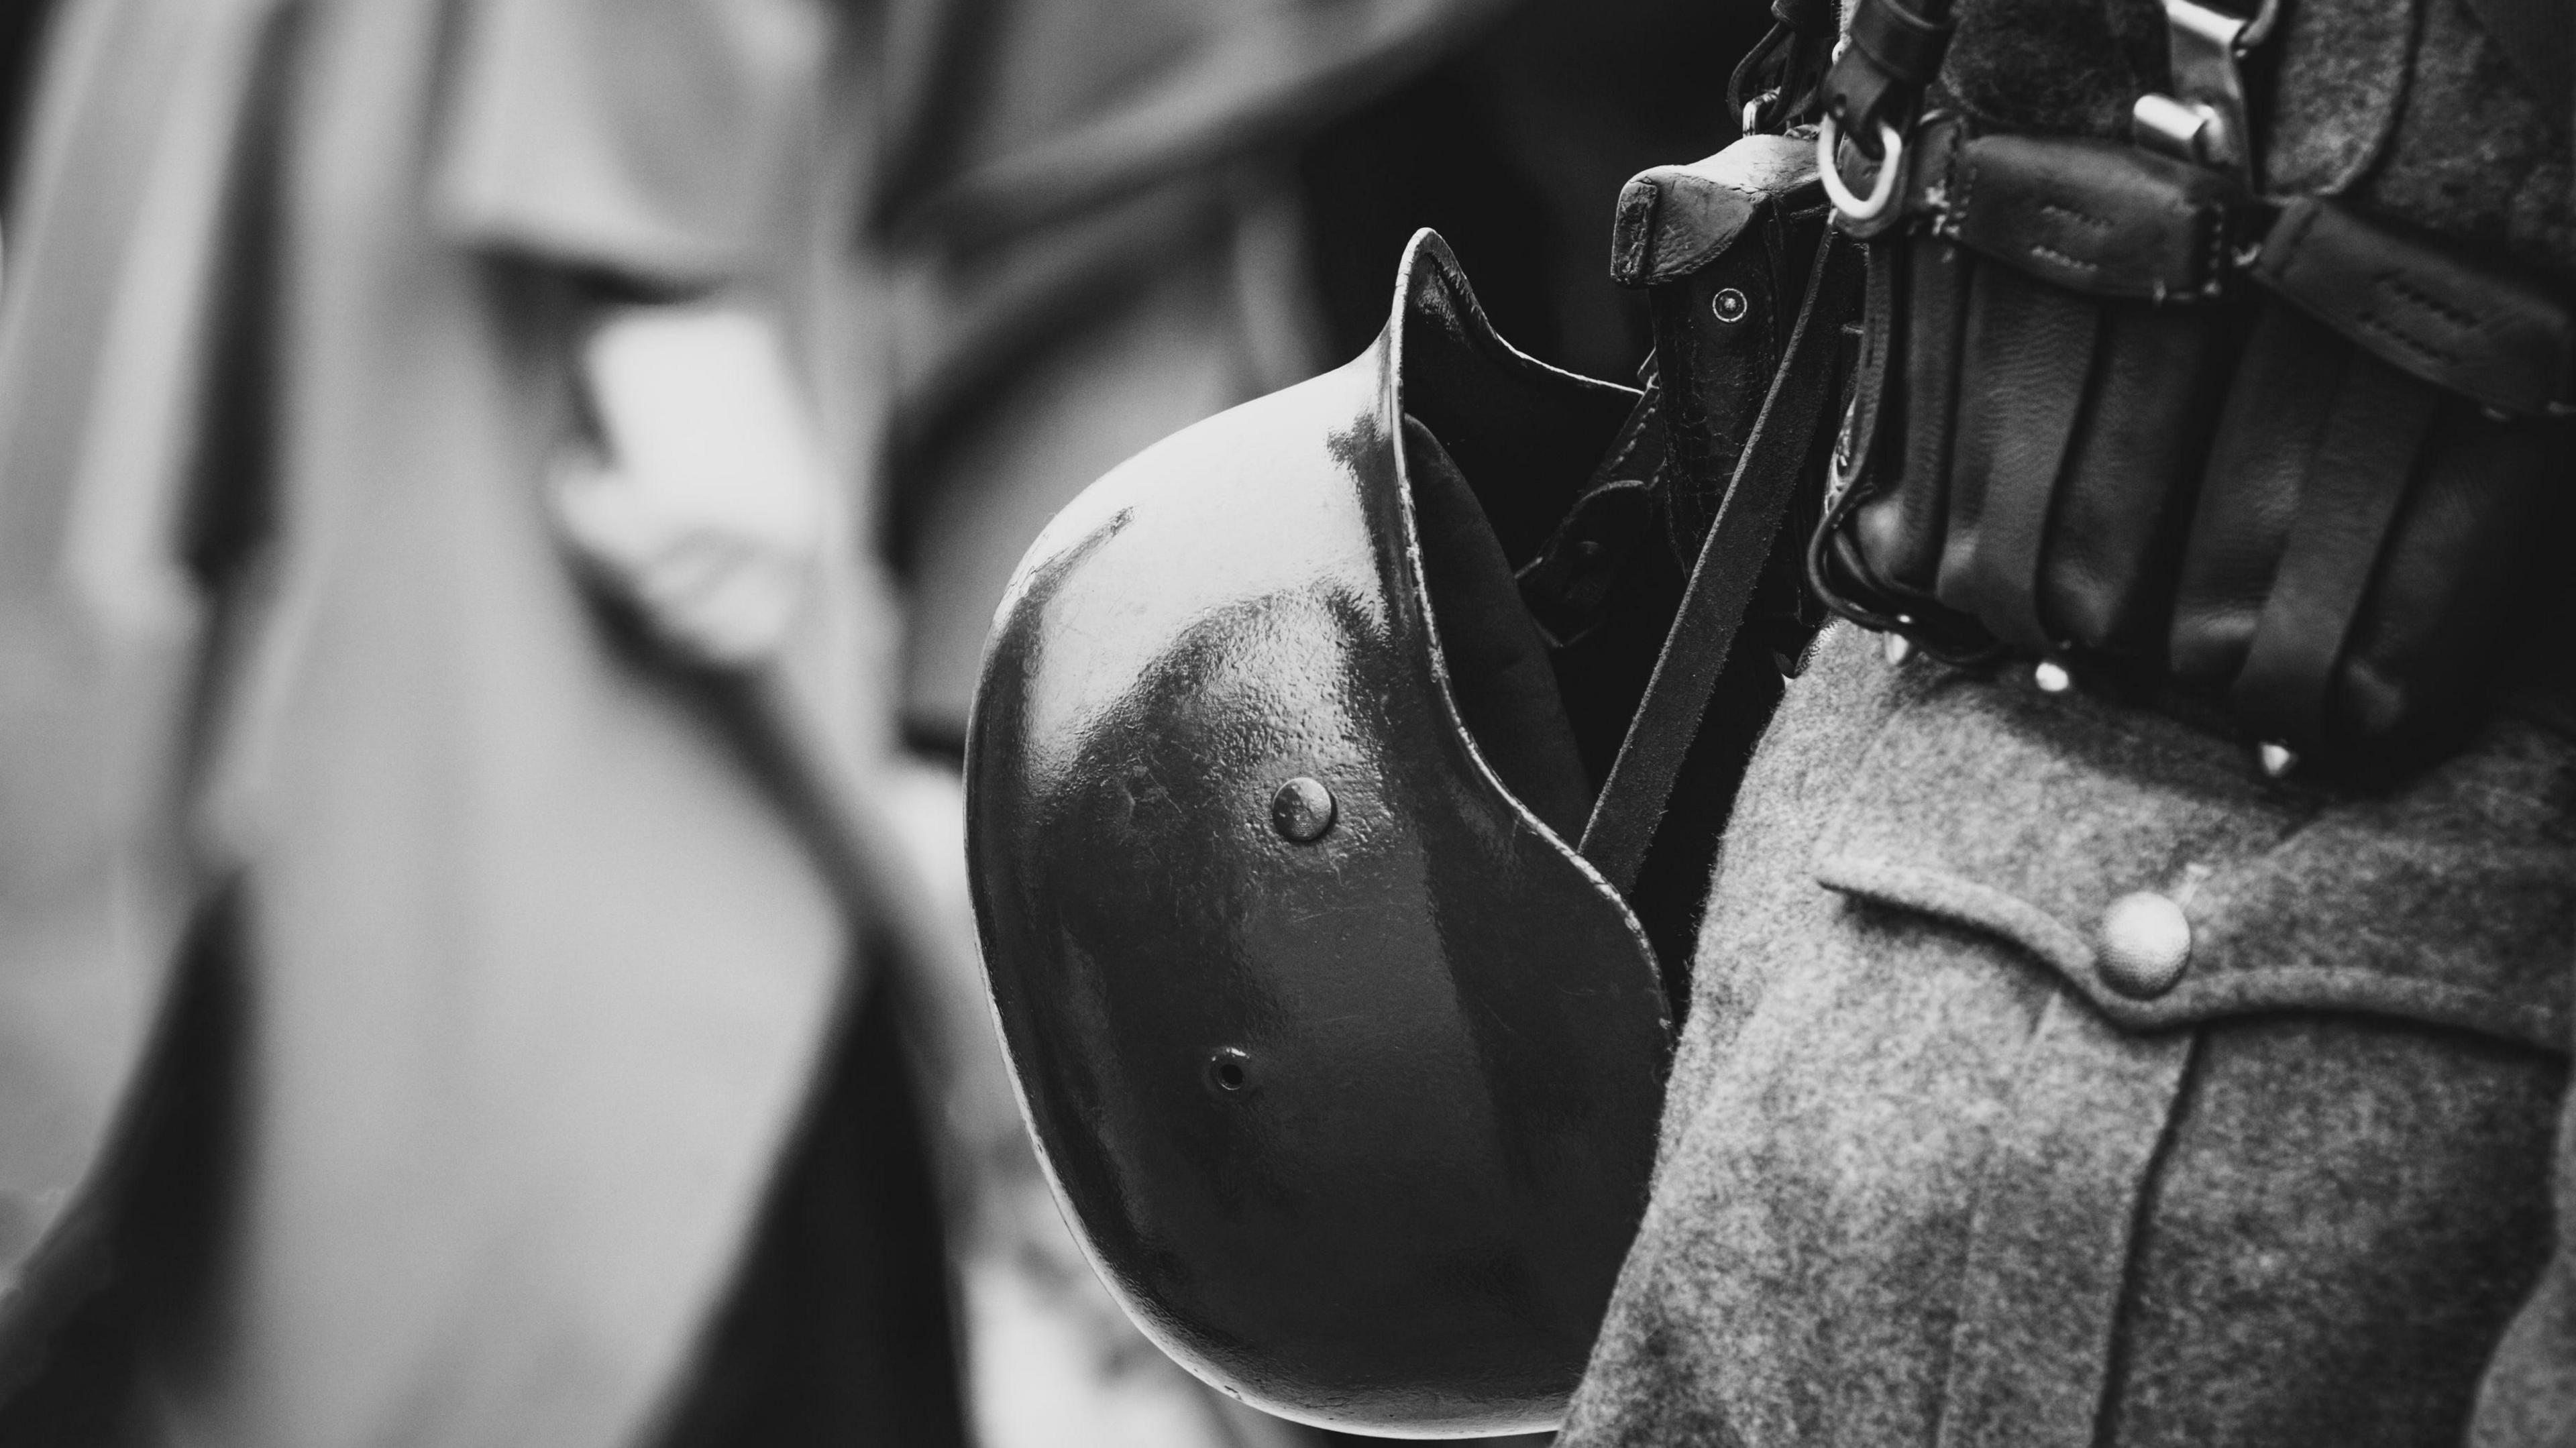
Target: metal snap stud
[[2277, 759], [2146, 942], [1729, 305], [1229, 1070], [1302, 810], [2051, 677], [1896, 648]]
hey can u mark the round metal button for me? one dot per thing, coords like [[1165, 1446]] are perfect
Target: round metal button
[[2146, 942], [1729, 305], [1302, 810]]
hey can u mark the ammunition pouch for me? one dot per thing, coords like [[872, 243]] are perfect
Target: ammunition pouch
[[2392, 451], [2116, 416]]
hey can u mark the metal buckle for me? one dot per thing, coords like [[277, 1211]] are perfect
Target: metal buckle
[[2204, 120], [1882, 193]]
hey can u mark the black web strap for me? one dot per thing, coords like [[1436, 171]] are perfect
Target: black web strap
[[1775, 460]]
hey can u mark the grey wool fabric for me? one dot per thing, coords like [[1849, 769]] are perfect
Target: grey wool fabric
[[1925, 1178], [1937, 1168]]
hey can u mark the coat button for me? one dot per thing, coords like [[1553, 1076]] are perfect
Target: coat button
[[2146, 942]]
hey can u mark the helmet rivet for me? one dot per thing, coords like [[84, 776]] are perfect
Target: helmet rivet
[[1729, 305], [1229, 1070], [1302, 810]]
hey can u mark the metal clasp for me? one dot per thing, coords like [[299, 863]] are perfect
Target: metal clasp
[[1858, 210], [2204, 120]]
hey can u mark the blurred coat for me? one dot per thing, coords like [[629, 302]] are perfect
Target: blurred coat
[[534, 972], [413, 980]]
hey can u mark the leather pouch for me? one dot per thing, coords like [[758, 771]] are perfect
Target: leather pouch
[[2392, 452], [2055, 346], [1722, 249]]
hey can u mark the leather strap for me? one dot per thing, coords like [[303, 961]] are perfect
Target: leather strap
[[1774, 461], [1895, 52], [1856, 449], [2355, 483], [2034, 357], [2491, 336]]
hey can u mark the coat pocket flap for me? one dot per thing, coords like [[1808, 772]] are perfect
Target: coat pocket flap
[[2452, 902]]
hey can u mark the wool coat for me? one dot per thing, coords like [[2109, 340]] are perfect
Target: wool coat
[[1938, 1167]]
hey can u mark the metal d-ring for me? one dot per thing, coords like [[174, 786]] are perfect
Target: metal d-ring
[[2258, 29], [1882, 193]]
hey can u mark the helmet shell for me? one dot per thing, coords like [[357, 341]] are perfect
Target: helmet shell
[[1344, 1065]]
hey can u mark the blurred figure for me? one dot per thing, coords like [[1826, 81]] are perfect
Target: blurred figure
[[431, 962], [476, 962], [457, 853]]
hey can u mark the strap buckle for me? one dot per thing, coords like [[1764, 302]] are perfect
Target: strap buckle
[[2205, 120]]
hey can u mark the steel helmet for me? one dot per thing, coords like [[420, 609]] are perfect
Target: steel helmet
[[1344, 1064]]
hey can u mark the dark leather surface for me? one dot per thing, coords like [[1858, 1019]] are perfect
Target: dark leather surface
[[2048, 445], [2360, 548], [2354, 484], [1738, 226], [2059, 358], [2132, 476], [1883, 82], [2424, 310], [1405, 1210], [2097, 217], [2277, 405], [1905, 45], [1787, 450], [2024, 362], [1899, 530], [1673, 219]]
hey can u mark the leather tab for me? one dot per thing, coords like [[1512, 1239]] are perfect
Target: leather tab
[[2465, 328], [1880, 77], [1674, 220], [2097, 217], [1905, 45]]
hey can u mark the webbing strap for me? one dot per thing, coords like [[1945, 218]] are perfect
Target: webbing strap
[[1767, 474]]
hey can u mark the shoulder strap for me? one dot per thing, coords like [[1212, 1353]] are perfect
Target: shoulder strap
[[1780, 453]]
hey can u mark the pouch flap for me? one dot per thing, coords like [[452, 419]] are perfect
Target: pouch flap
[[1673, 220], [2422, 309], [2029, 817], [2097, 217]]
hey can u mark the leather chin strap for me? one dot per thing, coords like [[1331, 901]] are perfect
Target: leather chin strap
[[1780, 454]]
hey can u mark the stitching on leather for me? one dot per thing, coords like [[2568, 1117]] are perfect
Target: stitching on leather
[[2050, 253], [2426, 350], [1963, 166], [2464, 320], [2080, 218]]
